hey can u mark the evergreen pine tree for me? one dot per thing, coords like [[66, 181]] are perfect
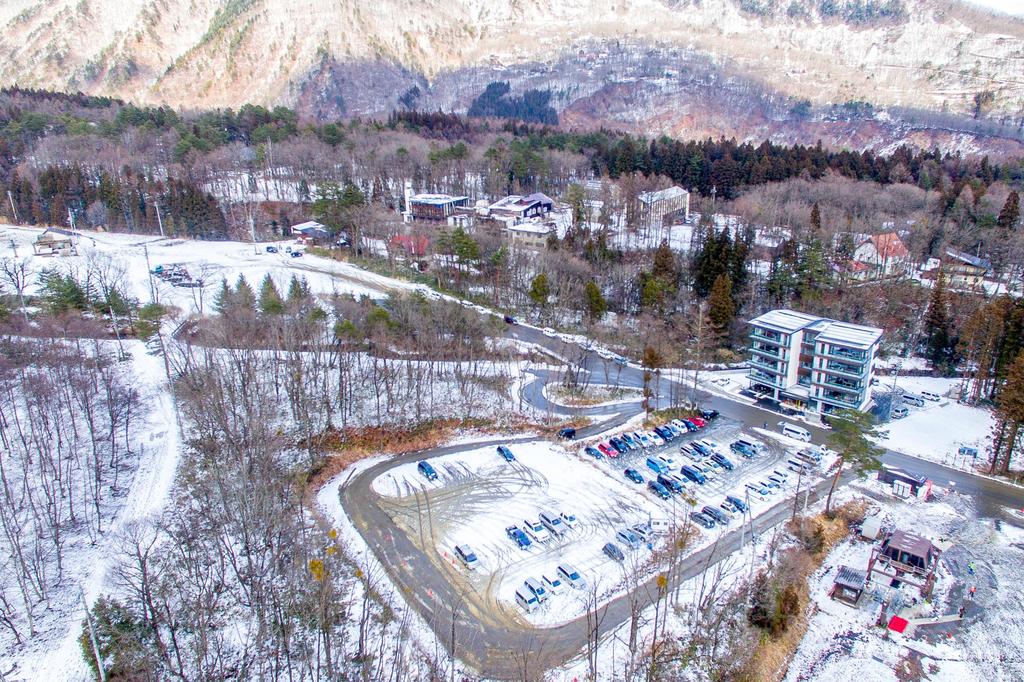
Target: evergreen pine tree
[[225, 298], [245, 298], [1010, 214], [721, 309], [540, 290], [816, 220], [936, 323], [596, 304], [1009, 417], [851, 438], [271, 302]]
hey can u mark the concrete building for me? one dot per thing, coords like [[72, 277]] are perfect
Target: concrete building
[[819, 364], [532, 236], [660, 208]]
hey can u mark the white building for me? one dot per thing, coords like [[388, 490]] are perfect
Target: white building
[[532, 236], [817, 363], [881, 256]]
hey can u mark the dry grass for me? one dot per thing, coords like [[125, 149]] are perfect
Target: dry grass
[[771, 658]]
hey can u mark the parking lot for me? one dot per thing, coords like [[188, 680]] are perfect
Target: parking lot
[[477, 495]]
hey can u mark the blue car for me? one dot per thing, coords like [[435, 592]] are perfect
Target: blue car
[[630, 442], [517, 535], [724, 461], [701, 448], [665, 433], [633, 475], [594, 452], [736, 502], [427, 471], [694, 475], [656, 465], [671, 483], [506, 453], [690, 426], [659, 490], [619, 446]]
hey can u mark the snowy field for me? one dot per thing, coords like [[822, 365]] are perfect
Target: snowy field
[[479, 485], [210, 261], [937, 431]]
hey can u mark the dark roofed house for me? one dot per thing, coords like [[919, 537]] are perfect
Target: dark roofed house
[[520, 207], [849, 585], [311, 232], [904, 557]]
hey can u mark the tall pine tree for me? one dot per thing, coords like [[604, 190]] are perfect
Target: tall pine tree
[[939, 344]]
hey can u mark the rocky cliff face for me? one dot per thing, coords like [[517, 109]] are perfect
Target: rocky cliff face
[[750, 68]]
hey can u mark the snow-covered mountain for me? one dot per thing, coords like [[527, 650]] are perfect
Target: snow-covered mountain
[[641, 64]]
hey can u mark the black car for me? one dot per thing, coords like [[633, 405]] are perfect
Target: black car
[[633, 475], [671, 483], [659, 490], [271, 249], [619, 445], [509, 319], [567, 433], [296, 254], [613, 552], [594, 452], [708, 414], [717, 514], [665, 433], [723, 461], [702, 519]]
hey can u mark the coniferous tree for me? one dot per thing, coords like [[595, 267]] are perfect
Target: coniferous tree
[[225, 298], [596, 304], [851, 438], [1010, 213], [721, 309], [540, 290], [937, 326], [1006, 434], [245, 297], [271, 302], [816, 220]]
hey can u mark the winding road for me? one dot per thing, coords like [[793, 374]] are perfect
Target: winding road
[[508, 648]]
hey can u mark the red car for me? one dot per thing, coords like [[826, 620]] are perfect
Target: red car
[[700, 423], [608, 450]]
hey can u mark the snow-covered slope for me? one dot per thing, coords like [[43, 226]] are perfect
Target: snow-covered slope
[[934, 54]]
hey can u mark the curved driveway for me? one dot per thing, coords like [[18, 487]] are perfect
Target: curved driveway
[[502, 645]]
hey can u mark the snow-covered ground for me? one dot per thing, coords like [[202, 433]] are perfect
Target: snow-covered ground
[[937, 431], [478, 495], [210, 261], [55, 654], [843, 640]]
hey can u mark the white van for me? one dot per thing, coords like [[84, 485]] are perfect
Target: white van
[[928, 395], [899, 412], [527, 600], [794, 431], [915, 400]]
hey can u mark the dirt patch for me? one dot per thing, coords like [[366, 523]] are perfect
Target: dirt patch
[[578, 396]]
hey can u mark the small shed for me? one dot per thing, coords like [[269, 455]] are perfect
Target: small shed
[[849, 585], [871, 527]]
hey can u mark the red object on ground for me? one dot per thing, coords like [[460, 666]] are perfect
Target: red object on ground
[[898, 624]]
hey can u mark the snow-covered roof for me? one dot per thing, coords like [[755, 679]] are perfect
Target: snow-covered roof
[[787, 321], [829, 331], [851, 335], [851, 578], [532, 228], [674, 192], [308, 226], [436, 199]]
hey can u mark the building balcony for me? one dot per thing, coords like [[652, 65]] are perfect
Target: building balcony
[[774, 352], [856, 388], [766, 379], [840, 399], [846, 355], [772, 367], [769, 337], [846, 370]]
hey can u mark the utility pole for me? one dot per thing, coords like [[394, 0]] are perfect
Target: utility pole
[[92, 637], [13, 208], [149, 273], [159, 220], [796, 497], [252, 231]]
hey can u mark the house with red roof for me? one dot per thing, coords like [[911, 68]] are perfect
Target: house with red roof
[[880, 256]]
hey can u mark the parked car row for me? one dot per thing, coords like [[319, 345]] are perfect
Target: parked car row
[[546, 526], [533, 593], [643, 440]]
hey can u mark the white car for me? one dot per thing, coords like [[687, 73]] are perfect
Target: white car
[[553, 583], [670, 461], [656, 439], [569, 520], [571, 576], [536, 530], [549, 332], [712, 444]]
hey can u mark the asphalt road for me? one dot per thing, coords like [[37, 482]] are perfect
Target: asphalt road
[[502, 646]]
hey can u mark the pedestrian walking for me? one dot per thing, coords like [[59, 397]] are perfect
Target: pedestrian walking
[[962, 607], [974, 588], [970, 567]]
